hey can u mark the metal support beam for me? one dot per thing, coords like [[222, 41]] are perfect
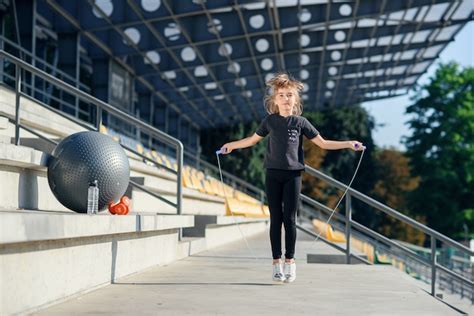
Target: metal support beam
[[68, 61], [100, 87], [433, 265], [348, 228]]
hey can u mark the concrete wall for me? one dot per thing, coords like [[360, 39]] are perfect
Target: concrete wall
[[37, 274], [49, 254], [46, 258]]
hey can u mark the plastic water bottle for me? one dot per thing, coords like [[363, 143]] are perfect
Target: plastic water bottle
[[93, 198]]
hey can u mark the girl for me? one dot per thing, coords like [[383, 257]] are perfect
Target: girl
[[284, 162]]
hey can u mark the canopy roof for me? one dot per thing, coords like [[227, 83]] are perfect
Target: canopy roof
[[210, 59]]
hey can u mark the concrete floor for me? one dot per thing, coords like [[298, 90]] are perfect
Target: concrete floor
[[229, 280]]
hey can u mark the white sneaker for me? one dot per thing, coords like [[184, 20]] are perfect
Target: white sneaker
[[290, 272], [278, 273]]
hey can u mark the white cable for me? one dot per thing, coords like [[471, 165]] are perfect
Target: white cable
[[347, 189], [332, 213], [232, 213]]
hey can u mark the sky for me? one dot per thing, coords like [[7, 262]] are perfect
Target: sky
[[390, 112]]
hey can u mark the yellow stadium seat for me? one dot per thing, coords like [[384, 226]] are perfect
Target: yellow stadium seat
[[229, 191], [156, 157], [208, 187], [327, 231], [245, 197], [103, 129], [197, 183], [217, 187], [241, 208], [166, 161], [140, 149], [187, 181]]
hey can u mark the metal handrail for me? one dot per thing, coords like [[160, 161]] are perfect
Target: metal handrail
[[334, 245], [43, 62], [389, 210], [393, 213], [85, 125], [384, 240], [228, 175], [101, 106], [50, 97]]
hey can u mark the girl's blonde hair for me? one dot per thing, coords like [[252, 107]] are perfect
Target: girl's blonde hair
[[282, 80]]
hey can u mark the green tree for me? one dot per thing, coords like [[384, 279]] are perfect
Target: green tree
[[347, 123], [393, 185], [441, 149], [246, 163]]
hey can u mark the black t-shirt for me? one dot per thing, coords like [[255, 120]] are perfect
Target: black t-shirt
[[285, 146]]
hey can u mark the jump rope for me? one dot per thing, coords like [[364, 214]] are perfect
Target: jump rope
[[219, 152]]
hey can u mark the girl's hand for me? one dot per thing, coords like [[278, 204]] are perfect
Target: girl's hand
[[355, 145], [226, 149]]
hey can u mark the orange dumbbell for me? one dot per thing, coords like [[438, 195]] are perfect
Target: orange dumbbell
[[120, 208]]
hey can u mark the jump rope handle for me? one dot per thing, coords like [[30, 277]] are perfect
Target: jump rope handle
[[357, 147], [220, 151]]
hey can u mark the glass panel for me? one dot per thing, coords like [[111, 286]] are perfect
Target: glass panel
[[436, 12], [367, 23], [464, 10], [410, 80], [345, 25], [421, 13], [447, 32], [419, 37], [409, 54], [398, 70], [420, 67], [433, 51]]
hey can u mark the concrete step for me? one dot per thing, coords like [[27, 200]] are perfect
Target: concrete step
[[48, 256], [3, 122], [333, 258], [202, 222], [192, 245], [24, 182], [39, 144], [5, 139], [51, 256], [143, 202], [33, 115], [229, 281], [24, 185], [28, 226]]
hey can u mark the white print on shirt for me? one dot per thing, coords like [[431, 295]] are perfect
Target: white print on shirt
[[292, 135]]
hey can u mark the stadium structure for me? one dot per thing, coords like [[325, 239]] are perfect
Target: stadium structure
[[154, 75]]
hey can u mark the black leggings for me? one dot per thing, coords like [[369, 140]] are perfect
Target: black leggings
[[283, 190]]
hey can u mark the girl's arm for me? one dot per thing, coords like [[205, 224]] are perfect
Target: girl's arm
[[243, 143], [333, 144]]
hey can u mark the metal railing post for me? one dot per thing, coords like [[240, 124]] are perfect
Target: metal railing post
[[2, 64], [348, 227], [433, 265], [17, 103], [179, 194], [98, 121]]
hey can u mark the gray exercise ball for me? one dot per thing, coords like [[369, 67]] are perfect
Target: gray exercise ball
[[81, 158]]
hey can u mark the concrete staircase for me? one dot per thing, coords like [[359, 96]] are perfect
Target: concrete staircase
[[49, 253], [228, 280]]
